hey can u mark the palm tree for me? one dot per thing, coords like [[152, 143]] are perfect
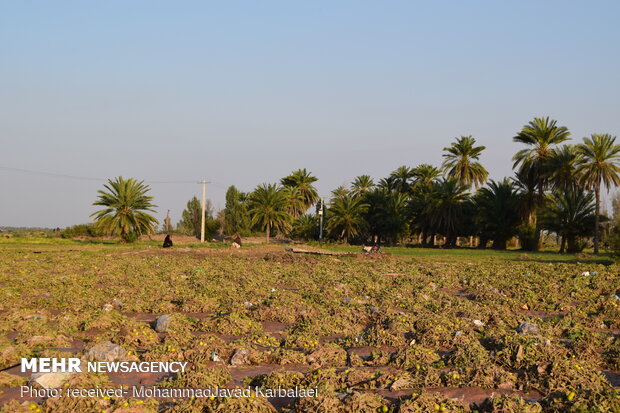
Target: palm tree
[[497, 215], [340, 192], [268, 208], [562, 167], [542, 135], [126, 202], [303, 180], [401, 178], [388, 214], [599, 165], [361, 185], [570, 214], [425, 174], [461, 162], [296, 203], [305, 227], [446, 207], [346, 217]]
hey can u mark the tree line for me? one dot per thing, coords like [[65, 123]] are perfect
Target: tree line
[[555, 190]]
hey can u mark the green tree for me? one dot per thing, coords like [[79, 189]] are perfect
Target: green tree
[[295, 201], [497, 216], [562, 167], [305, 227], [236, 216], [126, 204], [361, 186], [461, 162], [268, 209], [303, 180], [425, 174], [340, 192], [346, 217], [191, 219], [599, 165], [541, 135], [570, 214], [445, 208], [401, 179]]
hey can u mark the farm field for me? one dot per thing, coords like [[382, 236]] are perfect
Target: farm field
[[410, 330]]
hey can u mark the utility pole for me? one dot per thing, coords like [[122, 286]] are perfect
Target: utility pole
[[321, 214], [204, 209], [168, 222]]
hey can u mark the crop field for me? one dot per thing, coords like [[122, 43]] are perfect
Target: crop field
[[391, 332]]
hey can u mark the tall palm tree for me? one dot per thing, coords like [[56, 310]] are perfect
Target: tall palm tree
[[402, 179], [126, 202], [497, 215], [346, 217], [570, 213], [296, 203], [268, 208], [461, 162], [303, 180], [362, 185], [541, 135], [599, 165]]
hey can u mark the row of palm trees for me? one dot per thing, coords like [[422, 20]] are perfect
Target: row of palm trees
[[556, 188]]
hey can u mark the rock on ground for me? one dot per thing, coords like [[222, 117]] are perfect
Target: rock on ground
[[107, 351], [163, 323], [49, 380], [240, 357], [528, 328]]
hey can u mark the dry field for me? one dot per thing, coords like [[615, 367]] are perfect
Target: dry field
[[382, 333]]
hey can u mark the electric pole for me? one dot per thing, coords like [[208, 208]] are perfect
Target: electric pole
[[204, 209], [321, 213]]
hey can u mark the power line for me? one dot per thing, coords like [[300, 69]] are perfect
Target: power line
[[82, 178]]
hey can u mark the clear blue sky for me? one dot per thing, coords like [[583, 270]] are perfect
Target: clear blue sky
[[244, 92]]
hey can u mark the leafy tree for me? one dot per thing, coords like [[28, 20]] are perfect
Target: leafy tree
[[346, 217], [599, 165], [236, 216], [303, 180], [570, 214], [497, 215], [541, 135], [126, 202], [191, 219], [362, 185], [461, 162], [268, 207]]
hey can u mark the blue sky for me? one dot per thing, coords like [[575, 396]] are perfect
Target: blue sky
[[244, 92]]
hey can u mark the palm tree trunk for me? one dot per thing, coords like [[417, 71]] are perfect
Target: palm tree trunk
[[541, 197], [562, 244], [597, 191], [570, 240], [268, 232]]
